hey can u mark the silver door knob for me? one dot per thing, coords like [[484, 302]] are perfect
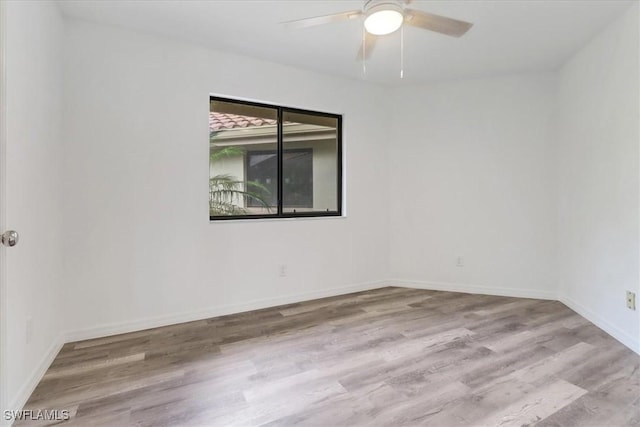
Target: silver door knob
[[10, 238]]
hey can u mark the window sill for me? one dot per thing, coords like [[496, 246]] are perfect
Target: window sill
[[278, 219]]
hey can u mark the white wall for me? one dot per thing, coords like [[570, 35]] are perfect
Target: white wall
[[598, 137], [139, 248], [472, 175], [34, 96]]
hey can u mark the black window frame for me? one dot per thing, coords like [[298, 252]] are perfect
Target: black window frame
[[280, 150]]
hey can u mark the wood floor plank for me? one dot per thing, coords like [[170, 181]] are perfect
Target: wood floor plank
[[422, 344], [536, 406], [387, 357], [84, 367]]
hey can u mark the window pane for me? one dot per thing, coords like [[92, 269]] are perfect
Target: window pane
[[310, 163], [241, 183], [261, 167]]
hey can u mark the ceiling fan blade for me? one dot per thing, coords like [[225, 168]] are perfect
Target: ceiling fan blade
[[369, 43], [437, 23], [321, 20]]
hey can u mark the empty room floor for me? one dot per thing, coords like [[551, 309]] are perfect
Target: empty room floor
[[390, 356]]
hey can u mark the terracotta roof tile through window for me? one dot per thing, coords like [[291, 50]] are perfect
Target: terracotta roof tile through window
[[222, 121]]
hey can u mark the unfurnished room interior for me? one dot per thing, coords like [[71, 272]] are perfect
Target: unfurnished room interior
[[320, 213]]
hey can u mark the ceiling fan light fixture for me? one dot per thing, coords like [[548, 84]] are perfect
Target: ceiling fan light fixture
[[383, 19]]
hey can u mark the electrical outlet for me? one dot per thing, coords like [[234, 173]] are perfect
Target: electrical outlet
[[631, 300], [282, 270], [28, 330], [460, 262]]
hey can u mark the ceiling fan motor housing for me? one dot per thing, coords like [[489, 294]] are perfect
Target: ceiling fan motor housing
[[373, 6]]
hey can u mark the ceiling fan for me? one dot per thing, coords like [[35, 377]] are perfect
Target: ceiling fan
[[385, 17]]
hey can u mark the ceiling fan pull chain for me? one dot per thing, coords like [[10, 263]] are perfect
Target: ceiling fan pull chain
[[402, 52], [364, 50]]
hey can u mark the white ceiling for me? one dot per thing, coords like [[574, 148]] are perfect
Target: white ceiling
[[507, 36]]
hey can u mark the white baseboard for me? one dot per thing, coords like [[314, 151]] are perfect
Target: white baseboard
[[474, 289], [222, 310], [632, 342], [25, 391]]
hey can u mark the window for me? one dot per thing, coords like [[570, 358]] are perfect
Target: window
[[273, 162]]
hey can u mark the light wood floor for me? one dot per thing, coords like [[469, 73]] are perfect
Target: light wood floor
[[386, 357]]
